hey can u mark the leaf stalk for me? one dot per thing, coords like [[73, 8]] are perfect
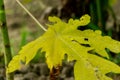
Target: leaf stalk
[[31, 15]]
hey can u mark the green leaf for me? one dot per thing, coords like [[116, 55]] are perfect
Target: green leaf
[[63, 38]]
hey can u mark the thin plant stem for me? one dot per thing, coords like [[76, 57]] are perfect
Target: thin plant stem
[[6, 42], [92, 13], [31, 15], [99, 13]]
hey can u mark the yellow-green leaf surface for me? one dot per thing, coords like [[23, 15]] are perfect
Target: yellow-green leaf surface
[[95, 67], [100, 43], [15, 64], [63, 38]]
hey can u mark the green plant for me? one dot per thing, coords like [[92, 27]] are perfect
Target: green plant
[[64, 38], [6, 42], [100, 11]]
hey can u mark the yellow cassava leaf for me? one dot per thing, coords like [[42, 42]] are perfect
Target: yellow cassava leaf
[[55, 42], [25, 55], [14, 64], [103, 66], [98, 42], [83, 70], [63, 38], [80, 22], [95, 67]]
